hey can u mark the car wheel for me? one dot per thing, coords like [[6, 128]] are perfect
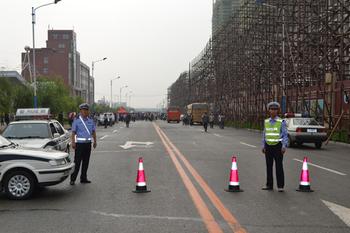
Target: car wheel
[[299, 144], [318, 145], [19, 185], [290, 142]]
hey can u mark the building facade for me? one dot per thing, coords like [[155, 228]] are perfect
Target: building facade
[[223, 11], [60, 59]]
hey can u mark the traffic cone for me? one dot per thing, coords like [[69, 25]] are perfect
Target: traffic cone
[[233, 185], [141, 186], [304, 185]]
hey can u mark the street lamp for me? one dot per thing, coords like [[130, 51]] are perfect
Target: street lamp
[[92, 75], [33, 29], [284, 102], [120, 93], [130, 93], [112, 90]]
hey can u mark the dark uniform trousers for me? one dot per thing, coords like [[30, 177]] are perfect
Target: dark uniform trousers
[[273, 153], [82, 156]]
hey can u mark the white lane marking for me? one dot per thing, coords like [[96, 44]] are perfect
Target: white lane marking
[[131, 144], [114, 131], [342, 212], [217, 135], [243, 143], [146, 216], [103, 137], [324, 168]]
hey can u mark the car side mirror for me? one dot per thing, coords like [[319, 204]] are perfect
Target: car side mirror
[[56, 135]]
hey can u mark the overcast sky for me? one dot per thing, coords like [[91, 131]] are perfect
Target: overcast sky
[[147, 42]]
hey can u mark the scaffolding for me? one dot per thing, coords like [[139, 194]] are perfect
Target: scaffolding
[[296, 52]]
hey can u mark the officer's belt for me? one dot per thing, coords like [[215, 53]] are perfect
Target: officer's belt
[[84, 139]]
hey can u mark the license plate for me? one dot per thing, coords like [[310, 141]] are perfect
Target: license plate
[[312, 130]]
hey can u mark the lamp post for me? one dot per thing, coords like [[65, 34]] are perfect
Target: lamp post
[[120, 93], [33, 30], [284, 102], [92, 75], [112, 89], [130, 93]]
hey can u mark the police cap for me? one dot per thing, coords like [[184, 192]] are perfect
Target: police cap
[[84, 106], [273, 104]]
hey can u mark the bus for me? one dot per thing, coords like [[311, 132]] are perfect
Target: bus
[[195, 111], [173, 114]]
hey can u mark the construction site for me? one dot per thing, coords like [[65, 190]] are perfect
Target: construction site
[[296, 52]]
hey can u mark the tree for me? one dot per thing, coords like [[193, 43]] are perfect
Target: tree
[[6, 95]]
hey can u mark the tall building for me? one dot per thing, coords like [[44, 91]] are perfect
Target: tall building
[[223, 11], [61, 59]]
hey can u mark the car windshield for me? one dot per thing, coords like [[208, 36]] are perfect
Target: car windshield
[[4, 142], [305, 121], [26, 130]]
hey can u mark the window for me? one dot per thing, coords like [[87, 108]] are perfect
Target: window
[[45, 70], [46, 60], [53, 129], [65, 36], [59, 128], [55, 36], [61, 46]]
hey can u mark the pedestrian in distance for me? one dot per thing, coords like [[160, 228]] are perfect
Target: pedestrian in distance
[[221, 119], [2, 120], [211, 120], [205, 121], [7, 119], [83, 131], [274, 144], [127, 120], [105, 120]]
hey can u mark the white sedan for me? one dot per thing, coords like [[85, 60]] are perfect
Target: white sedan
[[22, 170], [305, 130]]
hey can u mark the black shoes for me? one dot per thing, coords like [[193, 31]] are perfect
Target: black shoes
[[85, 181], [281, 190]]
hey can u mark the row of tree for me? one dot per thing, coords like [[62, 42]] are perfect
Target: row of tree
[[51, 93]]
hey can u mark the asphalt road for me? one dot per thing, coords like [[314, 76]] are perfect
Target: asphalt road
[[187, 171]]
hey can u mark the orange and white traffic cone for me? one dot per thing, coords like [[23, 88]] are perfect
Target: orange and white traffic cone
[[304, 185], [233, 185], [141, 186]]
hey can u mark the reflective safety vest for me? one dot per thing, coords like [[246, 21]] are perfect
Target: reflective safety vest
[[273, 132]]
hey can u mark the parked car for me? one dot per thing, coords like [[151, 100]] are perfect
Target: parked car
[[22, 170], [305, 130], [47, 134]]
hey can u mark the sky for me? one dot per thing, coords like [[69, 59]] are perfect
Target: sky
[[148, 43]]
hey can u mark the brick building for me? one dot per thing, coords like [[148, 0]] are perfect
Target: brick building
[[61, 59]]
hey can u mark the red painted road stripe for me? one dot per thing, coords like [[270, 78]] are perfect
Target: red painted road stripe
[[225, 213], [202, 208]]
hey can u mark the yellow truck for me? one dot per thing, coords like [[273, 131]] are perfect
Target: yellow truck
[[195, 112]]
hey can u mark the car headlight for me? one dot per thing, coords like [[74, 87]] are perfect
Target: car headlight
[[57, 162]]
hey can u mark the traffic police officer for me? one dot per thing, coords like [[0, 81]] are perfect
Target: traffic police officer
[[83, 130], [274, 144]]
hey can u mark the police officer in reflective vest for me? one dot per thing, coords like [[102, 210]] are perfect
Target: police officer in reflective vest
[[83, 131], [274, 144]]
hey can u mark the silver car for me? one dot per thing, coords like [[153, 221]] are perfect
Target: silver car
[[46, 134], [305, 130], [22, 170]]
